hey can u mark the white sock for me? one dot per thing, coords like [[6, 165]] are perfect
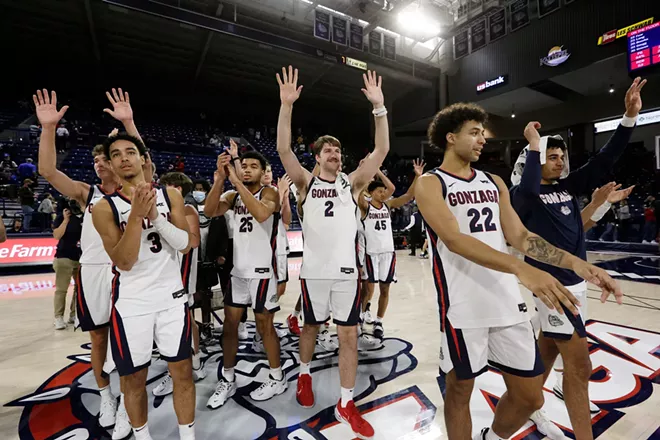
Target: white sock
[[304, 368], [346, 396], [276, 373], [228, 373], [121, 403], [490, 435], [196, 362], [378, 319], [142, 433], [187, 432], [106, 393]]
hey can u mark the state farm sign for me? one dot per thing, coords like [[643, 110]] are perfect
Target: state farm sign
[[486, 85], [19, 251]]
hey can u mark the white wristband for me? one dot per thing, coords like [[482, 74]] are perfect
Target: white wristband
[[601, 211], [177, 238], [379, 112]]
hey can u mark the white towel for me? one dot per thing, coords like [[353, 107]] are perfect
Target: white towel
[[519, 166]]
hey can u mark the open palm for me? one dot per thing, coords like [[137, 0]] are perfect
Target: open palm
[[418, 165], [634, 97], [121, 105], [372, 89], [46, 106], [289, 89], [617, 196]]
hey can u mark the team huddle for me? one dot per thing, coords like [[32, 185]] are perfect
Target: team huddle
[[140, 245]]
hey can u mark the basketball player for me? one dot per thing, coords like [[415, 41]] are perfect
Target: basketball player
[[149, 301], [329, 276], [94, 278], [188, 263], [483, 317], [380, 261], [255, 210], [548, 205]]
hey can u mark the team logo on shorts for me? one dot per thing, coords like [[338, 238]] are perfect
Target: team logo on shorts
[[65, 406], [555, 321]]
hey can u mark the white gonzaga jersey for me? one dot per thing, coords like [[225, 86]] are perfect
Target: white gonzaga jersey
[[189, 265], [378, 230], [154, 283], [229, 219], [470, 295], [91, 244], [254, 243], [329, 230], [204, 223]]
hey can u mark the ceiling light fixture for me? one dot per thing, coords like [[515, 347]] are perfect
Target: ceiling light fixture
[[413, 19], [611, 88]]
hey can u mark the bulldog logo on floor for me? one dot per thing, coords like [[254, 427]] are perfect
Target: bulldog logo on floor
[[66, 405]]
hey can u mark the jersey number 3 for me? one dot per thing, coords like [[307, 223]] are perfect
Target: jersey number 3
[[475, 226], [156, 245]]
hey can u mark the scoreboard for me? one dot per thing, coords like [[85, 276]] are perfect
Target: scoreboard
[[644, 49]]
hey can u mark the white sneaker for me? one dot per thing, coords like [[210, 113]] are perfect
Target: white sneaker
[[269, 389], [123, 428], [326, 342], [199, 374], [72, 319], [258, 346], [59, 323], [223, 391], [545, 426], [559, 392], [107, 412], [368, 319], [481, 435], [242, 331], [281, 332], [165, 387]]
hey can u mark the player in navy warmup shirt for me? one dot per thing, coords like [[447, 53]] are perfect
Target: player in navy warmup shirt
[[547, 202]]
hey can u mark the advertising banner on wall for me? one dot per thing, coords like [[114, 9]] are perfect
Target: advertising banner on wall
[[497, 24], [519, 13]]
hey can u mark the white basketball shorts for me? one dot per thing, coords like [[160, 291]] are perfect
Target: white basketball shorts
[[261, 293], [381, 267], [132, 337], [282, 268], [94, 301], [557, 326], [319, 297], [511, 349]]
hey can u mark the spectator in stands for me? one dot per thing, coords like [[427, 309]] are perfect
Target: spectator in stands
[[68, 231], [624, 218], [17, 225], [27, 169], [47, 208], [62, 136], [650, 223], [7, 167], [26, 197], [3, 231]]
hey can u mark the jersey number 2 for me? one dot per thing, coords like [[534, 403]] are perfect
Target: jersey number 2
[[328, 209], [488, 221], [156, 245]]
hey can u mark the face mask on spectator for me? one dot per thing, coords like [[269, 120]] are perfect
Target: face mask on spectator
[[199, 196]]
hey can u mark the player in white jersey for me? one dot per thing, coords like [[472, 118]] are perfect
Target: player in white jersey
[[329, 275], [380, 259], [255, 210], [94, 279], [483, 318], [188, 263], [143, 229]]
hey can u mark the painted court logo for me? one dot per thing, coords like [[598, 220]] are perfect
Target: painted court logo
[[65, 406]]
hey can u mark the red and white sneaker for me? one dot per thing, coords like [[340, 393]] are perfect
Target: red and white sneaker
[[292, 323], [305, 393], [350, 416]]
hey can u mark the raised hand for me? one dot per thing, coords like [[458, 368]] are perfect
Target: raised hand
[[289, 89], [66, 213], [143, 201], [532, 133], [232, 175], [46, 106], [222, 164], [600, 195], [114, 132], [600, 278], [634, 97], [233, 148], [121, 105], [619, 194], [418, 165], [372, 89], [284, 185]]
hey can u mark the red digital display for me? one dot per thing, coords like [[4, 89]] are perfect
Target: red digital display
[[644, 47]]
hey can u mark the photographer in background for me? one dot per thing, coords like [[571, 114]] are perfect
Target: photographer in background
[[68, 228]]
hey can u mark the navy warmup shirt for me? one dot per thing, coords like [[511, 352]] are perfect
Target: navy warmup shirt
[[552, 211]]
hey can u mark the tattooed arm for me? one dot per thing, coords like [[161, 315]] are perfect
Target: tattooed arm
[[539, 249]]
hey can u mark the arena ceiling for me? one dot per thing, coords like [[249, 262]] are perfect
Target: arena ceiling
[[50, 36]]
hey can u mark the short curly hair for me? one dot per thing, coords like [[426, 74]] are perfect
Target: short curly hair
[[451, 119]]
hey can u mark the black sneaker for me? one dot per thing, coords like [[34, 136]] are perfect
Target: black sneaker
[[378, 329]]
